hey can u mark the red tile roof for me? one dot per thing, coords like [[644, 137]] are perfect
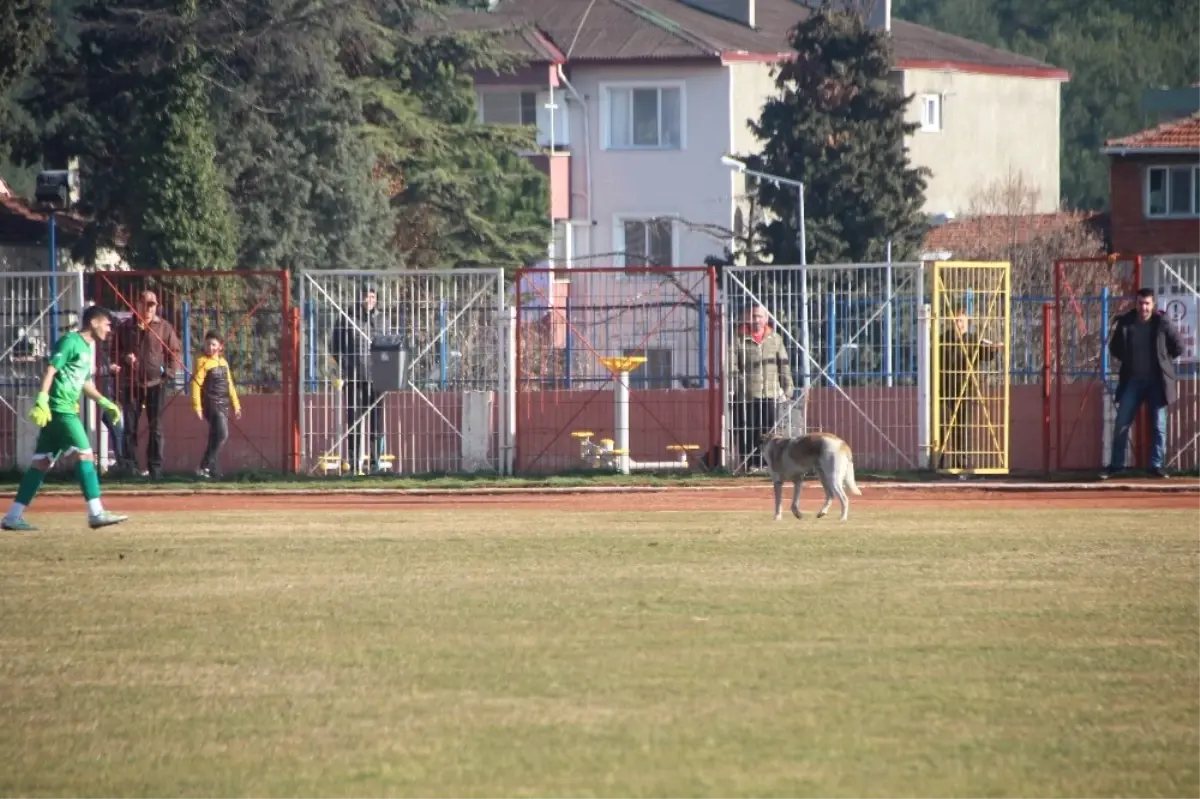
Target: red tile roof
[[628, 30], [995, 233], [1178, 134]]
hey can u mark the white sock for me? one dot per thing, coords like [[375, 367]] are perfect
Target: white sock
[[14, 511], [94, 507]]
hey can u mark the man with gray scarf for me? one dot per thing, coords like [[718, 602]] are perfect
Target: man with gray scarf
[[350, 345]]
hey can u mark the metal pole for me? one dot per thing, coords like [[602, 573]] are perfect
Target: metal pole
[[802, 242], [53, 284], [888, 339], [621, 420]]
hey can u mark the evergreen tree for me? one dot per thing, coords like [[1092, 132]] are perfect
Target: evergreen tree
[[838, 125], [181, 216]]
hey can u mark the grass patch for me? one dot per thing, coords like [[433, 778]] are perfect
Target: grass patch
[[471, 653]]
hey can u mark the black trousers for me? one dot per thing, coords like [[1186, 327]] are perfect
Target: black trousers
[[752, 419], [960, 434], [218, 434], [154, 398], [362, 401]]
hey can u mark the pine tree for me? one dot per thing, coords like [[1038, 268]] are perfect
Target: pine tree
[[181, 216], [838, 125]]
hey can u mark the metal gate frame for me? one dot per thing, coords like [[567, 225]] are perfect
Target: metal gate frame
[[733, 280], [1164, 273], [942, 302], [64, 289], [154, 280], [1061, 284], [306, 460], [715, 374]]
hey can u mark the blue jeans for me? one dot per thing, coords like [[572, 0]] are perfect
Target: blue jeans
[[1137, 392]]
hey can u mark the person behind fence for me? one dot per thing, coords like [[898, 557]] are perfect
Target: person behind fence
[[350, 346], [760, 375], [213, 397], [1146, 344], [963, 354], [148, 354], [62, 434], [116, 429]]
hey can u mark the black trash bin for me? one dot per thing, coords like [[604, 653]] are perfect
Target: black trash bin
[[389, 363]]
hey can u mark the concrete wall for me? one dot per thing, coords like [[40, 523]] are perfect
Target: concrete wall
[[991, 125]]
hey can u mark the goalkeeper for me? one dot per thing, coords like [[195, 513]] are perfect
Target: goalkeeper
[[56, 412]]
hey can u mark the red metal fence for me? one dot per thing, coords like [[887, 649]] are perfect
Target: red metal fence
[[252, 312], [565, 326]]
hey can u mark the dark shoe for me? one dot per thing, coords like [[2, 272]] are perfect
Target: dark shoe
[[1159, 472], [156, 474], [1110, 472]]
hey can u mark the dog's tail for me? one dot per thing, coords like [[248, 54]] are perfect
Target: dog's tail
[[849, 470]]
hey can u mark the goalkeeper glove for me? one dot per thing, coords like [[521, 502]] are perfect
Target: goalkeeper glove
[[40, 413], [110, 410]]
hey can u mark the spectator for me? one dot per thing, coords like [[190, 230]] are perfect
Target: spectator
[[1146, 344], [963, 425], [147, 351], [760, 376], [351, 348], [213, 395]]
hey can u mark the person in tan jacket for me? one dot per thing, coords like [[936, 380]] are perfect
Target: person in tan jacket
[[760, 376]]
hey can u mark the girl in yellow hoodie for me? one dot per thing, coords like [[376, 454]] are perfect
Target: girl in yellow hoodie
[[213, 395]]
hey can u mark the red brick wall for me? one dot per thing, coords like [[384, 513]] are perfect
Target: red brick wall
[[1132, 232]]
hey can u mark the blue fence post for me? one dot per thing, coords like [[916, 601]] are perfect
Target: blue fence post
[[1104, 342], [443, 345], [310, 322], [702, 306], [831, 333], [570, 342], [187, 339]]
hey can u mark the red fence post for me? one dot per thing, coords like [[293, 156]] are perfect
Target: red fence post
[[1047, 378]]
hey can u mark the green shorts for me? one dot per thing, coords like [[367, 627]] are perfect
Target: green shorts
[[63, 435]]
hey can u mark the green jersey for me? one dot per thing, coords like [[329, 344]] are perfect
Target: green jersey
[[72, 361]]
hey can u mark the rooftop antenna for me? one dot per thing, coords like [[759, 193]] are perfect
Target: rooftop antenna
[[579, 28]]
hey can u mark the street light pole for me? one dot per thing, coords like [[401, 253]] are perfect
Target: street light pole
[[801, 245]]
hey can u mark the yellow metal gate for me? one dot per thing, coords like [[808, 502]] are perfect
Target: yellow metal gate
[[970, 391]]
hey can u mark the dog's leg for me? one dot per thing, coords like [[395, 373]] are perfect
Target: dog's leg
[[778, 499], [796, 496], [842, 498], [825, 483]]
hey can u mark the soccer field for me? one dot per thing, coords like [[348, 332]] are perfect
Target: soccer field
[[958, 649]]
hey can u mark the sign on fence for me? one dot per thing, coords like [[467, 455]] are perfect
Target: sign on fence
[[1182, 311]]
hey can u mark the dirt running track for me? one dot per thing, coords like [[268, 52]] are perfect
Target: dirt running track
[[741, 499]]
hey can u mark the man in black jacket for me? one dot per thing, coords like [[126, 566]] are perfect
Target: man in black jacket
[[351, 348], [1146, 344], [965, 366]]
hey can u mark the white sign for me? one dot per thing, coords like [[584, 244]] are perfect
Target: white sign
[[1182, 310]]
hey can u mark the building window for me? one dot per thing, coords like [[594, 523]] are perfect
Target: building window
[[649, 118], [655, 372], [647, 242], [508, 108], [931, 113], [1173, 191]]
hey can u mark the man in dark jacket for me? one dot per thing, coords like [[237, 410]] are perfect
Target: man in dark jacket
[[350, 346], [147, 352], [1146, 344]]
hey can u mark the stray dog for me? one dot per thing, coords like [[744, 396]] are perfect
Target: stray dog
[[826, 454]]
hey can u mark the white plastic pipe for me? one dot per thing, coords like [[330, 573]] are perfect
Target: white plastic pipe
[[924, 387], [621, 420]]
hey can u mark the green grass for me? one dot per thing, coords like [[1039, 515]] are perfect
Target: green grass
[[1006, 653]]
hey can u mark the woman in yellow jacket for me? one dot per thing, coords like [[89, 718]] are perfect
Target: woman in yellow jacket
[[213, 395]]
